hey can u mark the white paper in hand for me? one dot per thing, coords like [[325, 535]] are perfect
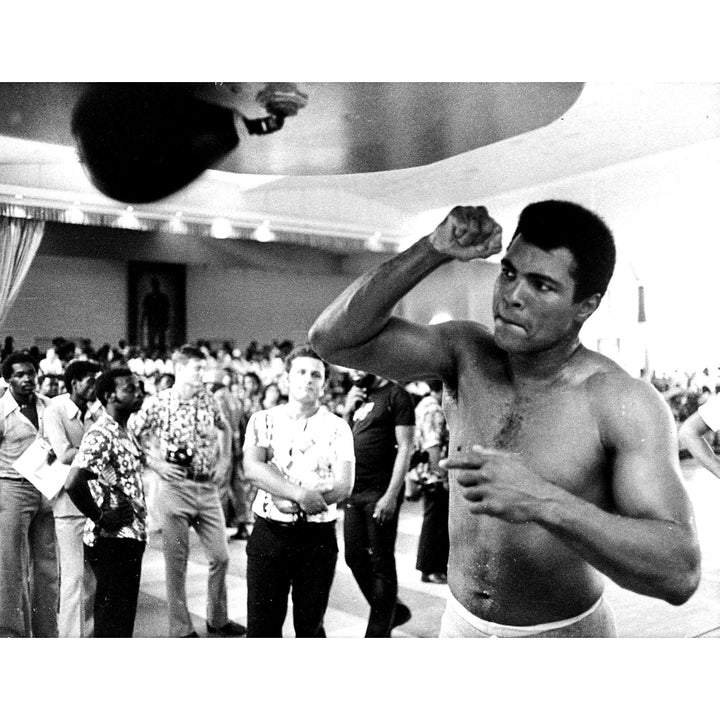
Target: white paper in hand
[[33, 465]]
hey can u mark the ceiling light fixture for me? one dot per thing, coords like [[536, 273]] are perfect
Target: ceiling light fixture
[[440, 317], [75, 215], [221, 228], [129, 220], [176, 225], [373, 242], [263, 233]]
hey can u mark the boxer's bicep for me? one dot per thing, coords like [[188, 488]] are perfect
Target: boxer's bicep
[[644, 465], [403, 351]]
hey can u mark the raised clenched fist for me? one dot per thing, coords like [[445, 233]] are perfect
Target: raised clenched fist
[[467, 233]]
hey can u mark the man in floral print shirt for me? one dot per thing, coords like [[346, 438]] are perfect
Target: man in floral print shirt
[[188, 441], [105, 483]]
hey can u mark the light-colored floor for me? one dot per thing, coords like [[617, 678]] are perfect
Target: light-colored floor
[[637, 616]]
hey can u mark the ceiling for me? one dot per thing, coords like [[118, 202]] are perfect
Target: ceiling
[[336, 128], [443, 150]]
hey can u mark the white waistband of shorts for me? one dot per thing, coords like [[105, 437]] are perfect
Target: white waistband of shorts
[[491, 628]]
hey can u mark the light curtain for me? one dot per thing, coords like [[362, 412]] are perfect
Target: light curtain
[[19, 241]]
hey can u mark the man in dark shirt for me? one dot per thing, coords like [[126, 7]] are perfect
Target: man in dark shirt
[[382, 417]]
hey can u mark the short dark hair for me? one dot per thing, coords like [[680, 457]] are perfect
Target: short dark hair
[[18, 358], [304, 351], [552, 224], [188, 352], [105, 383], [79, 369]]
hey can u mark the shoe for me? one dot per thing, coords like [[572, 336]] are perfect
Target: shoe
[[437, 578], [402, 614], [192, 634], [229, 629]]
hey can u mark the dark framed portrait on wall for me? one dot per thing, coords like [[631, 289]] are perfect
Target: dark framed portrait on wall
[[156, 305]]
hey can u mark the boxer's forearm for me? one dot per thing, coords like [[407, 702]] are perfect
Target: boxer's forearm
[[365, 307], [654, 557]]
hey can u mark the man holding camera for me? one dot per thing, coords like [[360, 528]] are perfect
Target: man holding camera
[[188, 442]]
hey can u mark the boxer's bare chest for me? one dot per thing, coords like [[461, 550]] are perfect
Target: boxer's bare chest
[[552, 426]]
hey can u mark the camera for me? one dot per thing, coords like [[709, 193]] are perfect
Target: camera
[[365, 382], [179, 455]]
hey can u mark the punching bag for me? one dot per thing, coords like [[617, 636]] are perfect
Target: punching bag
[[141, 142]]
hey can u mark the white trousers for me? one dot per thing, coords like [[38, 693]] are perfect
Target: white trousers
[[77, 581]]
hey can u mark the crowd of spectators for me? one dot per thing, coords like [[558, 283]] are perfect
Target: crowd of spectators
[[255, 374], [247, 381], [685, 392]]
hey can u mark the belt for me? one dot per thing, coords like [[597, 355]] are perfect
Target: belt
[[197, 477], [192, 474], [301, 520]]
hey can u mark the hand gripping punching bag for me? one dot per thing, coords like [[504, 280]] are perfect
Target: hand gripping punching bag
[[143, 141]]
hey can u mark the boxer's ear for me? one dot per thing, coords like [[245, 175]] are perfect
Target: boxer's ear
[[586, 307]]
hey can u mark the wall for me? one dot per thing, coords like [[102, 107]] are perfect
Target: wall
[[662, 211], [660, 208], [243, 305], [462, 291], [236, 290], [71, 297]]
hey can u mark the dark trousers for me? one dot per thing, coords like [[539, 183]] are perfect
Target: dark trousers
[[434, 544], [370, 555], [117, 563], [281, 558]]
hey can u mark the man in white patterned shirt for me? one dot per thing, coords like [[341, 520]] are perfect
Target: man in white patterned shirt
[[301, 458]]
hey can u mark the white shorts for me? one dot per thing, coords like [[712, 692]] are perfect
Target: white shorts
[[596, 621]]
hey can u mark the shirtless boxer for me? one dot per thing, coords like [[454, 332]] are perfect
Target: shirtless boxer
[[562, 467]]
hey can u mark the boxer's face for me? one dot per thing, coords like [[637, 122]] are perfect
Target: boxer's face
[[533, 305]]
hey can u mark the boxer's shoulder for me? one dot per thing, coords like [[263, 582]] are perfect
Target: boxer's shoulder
[[621, 401]]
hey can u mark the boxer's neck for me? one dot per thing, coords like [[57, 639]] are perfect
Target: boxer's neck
[[544, 367]]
